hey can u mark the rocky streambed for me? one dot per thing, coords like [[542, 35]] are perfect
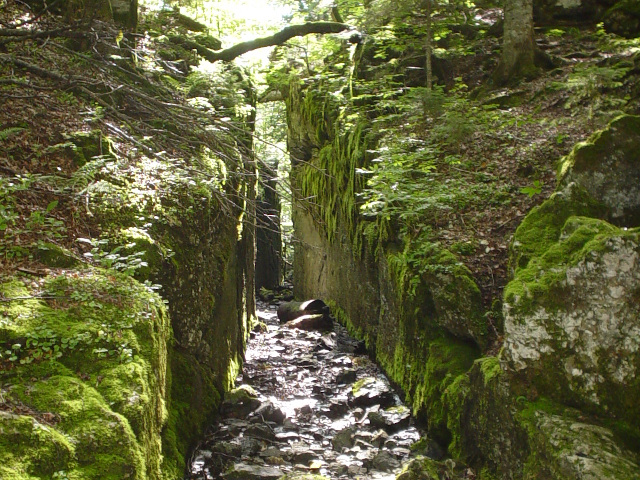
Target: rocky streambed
[[308, 401]]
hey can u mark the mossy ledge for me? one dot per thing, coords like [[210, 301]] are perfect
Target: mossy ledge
[[417, 308], [86, 382]]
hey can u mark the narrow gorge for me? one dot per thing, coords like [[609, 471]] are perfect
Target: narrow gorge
[[469, 226]]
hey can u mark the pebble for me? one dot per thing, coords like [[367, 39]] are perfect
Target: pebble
[[321, 406]]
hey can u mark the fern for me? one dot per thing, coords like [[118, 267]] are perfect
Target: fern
[[8, 132]]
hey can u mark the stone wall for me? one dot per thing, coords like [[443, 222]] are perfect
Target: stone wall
[[511, 416]]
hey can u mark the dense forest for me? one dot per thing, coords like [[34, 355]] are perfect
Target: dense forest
[[458, 181]]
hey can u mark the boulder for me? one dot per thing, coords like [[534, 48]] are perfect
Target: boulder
[[243, 471], [572, 319], [623, 19], [579, 450], [391, 419], [240, 402], [291, 310], [607, 166], [316, 321], [372, 391], [542, 226]]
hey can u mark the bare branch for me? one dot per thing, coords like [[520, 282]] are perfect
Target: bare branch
[[276, 39]]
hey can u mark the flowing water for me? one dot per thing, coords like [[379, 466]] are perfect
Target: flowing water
[[321, 406]]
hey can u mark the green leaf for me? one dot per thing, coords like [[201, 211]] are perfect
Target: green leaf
[[52, 205]]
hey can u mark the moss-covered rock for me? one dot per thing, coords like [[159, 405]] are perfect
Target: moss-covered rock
[[84, 378], [607, 166], [88, 145], [53, 255], [542, 226], [623, 19], [563, 445], [571, 319]]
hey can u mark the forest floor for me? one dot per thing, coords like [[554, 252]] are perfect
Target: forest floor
[[507, 144]]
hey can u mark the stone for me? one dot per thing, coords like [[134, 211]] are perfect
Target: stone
[[372, 391], [583, 451], [384, 461], [260, 431], [250, 446], [391, 419], [343, 439], [229, 449], [607, 166], [270, 413], [623, 19], [337, 408], [291, 310], [243, 471], [240, 402], [572, 319], [316, 321], [346, 377], [379, 438]]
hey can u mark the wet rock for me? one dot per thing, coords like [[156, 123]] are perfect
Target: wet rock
[[327, 342], [260, 431], [311, 322], [372, 391], [379, 438], [391, 420], [343, 439], [356, 470], [303, 476], [228, 449], [301, 453], [384, 461], [337, 408], [270, 413], [243, 471], [240, 402], [429, 448], [234, 426], [250, 446], [346, 377], [291, 310]]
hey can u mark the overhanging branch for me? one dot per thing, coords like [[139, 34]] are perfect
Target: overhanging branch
[[276, 39]]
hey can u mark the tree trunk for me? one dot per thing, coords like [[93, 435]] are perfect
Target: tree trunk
[[428, 66], [519, 48]]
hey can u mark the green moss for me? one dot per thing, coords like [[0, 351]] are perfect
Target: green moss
[[194, 399], [29, 448], [543, 282], [88, 145], [54, 256], [447, 360], [97, 378], [490, 368], [435, 285], [542, 226], [587, 155], [421, 469]]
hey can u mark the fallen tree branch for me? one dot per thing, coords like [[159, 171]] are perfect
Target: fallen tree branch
[[276, 39]]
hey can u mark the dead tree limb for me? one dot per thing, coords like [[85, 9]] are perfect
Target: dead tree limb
[[276, 39]]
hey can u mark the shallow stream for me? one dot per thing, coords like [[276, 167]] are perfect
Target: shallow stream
[[317, 404]]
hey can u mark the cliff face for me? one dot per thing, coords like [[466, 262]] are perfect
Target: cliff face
[[127, 259], [549, 393]]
